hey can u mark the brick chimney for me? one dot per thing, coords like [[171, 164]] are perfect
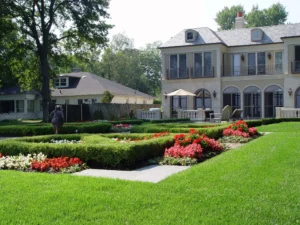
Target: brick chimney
[[239, 21]]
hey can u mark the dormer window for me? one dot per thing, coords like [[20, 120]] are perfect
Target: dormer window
[[61, 82], [256, 34], [190, 35]]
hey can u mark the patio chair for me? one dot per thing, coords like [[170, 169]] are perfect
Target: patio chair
[[223, 116], [236, 114]]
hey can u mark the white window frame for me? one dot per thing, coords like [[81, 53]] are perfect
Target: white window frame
[[60, 82]]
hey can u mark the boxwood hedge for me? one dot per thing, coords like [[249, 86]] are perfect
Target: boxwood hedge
[[212, 132], [43, 129], [99, 151]]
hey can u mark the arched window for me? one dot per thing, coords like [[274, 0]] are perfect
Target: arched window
[[252, 102], [297, 98], [273, 98], [232, 97], [203, 99]]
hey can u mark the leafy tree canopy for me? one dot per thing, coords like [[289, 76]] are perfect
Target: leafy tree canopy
[[45, 24], [274, 15]]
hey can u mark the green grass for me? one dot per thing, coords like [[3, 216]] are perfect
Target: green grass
[[281, 127], [257, 183]]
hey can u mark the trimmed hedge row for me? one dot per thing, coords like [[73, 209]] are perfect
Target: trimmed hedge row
[[256, 123], [43, 129], [99, 151], [170, 120], [212, 132]]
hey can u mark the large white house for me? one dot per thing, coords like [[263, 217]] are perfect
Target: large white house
[[255, 69]]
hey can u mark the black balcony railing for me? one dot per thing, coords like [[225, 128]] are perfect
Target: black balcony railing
[[186, 73], [295, 65], [260, 69], [202, 72]]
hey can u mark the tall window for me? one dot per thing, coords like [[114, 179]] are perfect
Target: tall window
[[202, 99], [198, 65], [252, 102], [278, 62], [178, 67], [251, 63], [232, 97], [273, 98], [182, 66], [261, 63], [173, 66], [207, 64], [203, 64], [30, 105], [257, 63], [20, 105], [236, 65]]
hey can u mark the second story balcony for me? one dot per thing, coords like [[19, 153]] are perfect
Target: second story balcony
[[295, 65], [189, 73], [259, 69]]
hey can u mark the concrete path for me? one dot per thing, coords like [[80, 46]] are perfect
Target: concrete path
[[153, 173]]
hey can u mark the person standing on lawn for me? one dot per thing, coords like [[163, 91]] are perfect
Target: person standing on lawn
[[57, 118]]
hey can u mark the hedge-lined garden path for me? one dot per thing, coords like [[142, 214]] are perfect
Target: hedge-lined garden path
[[257, 183]]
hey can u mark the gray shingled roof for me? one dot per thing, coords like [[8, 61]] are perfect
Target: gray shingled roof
[[236, 37], [90, 84]]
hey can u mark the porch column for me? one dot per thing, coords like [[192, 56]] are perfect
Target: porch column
[[262, 105], [218, 64], [285, 59], [242, 104]]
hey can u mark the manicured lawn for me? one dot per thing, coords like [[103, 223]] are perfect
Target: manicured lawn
[[281, 127], [257, 183]]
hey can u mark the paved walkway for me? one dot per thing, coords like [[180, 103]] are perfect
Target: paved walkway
[[153, 173]]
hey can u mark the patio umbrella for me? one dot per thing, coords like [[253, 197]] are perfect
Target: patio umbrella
[[180, 92]]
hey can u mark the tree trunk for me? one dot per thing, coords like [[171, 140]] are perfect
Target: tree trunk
[[44, 70]]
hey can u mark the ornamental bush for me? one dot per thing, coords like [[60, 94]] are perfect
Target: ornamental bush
[[192, 146], [240, 128]]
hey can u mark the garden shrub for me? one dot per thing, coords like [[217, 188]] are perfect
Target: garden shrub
[[212, 132], [98, 151], [171, 120], [43, 129]]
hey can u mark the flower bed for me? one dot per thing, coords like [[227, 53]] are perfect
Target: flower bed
[[40, 162], [191, 148], [239, 132], [121, 127], [64, 141]]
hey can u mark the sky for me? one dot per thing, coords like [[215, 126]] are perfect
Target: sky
[[146, 21]]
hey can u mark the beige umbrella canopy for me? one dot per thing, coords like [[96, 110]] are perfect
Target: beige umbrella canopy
[[181, 92]]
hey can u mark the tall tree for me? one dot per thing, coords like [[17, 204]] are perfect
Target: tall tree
[[47, 23], [226, 17], [274, 15]]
